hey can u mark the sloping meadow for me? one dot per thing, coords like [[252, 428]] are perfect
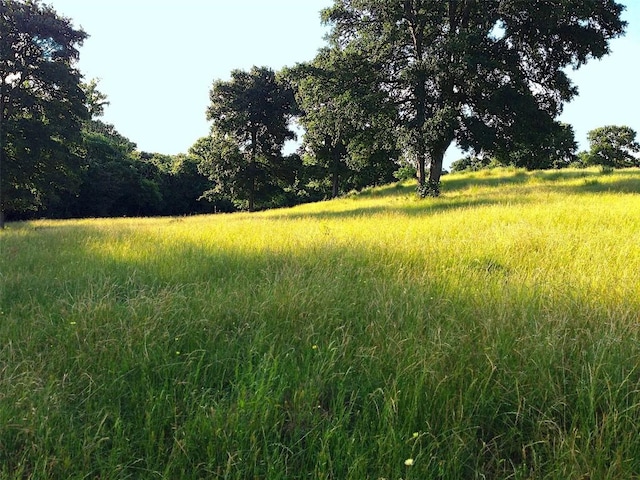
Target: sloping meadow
[[489, 333]]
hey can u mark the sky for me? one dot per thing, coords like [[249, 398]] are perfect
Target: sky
[[157, 59]]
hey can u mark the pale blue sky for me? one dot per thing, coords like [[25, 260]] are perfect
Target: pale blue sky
[[157, 60]]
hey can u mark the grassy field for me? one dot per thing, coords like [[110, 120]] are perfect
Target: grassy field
[[491, 333]]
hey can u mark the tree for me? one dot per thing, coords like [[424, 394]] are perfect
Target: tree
[[471, 163], [41, 103], [481, 73], [347, 124], [551, 147], [251, 115], [112, 183], [320, 90], [181, 185], [223, 163], [613, 146]]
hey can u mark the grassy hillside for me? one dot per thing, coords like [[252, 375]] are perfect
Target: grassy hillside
[[491, 333]]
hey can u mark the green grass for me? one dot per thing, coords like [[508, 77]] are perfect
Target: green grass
[[491, 333]]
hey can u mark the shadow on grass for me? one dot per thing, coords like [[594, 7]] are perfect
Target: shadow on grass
[[601, 185], [454, 195], [419, 208], [623, 181], [391, 190], [484, 178]]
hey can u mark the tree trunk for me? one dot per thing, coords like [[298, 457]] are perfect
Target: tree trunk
[[435, 167], [335, 180], [252, 196], [437, 159], [421, 149], [421, 166], [252, 171], [419, 91]]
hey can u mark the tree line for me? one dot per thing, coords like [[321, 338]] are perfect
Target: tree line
[[611, 146], [397, 84]]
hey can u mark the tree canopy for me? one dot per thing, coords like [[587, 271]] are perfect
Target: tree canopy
[[41, 103], [94, 98], [551, 147], [482, 73], [613, 146], [346, 124], [251, 114]]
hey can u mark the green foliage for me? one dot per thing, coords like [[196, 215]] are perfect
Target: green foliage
[[429, 189], [484, 74], [470, 164], [553, 146], [405, 172], [112, 183], [41, 105], [348, 126], [181, 185], [251, 115], [613, 146], [220, 160], [95, 99], [116, 180], [56, 159]]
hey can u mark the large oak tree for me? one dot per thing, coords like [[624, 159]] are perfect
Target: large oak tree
[[479, 72], [41, 103]]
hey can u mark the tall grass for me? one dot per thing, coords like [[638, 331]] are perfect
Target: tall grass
[[490, 333]]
